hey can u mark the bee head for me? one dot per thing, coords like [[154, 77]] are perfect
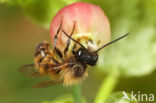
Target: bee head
[[86, 57]]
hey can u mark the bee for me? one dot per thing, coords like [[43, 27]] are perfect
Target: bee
[[69, 68]]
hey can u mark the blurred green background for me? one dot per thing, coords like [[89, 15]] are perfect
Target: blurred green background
[[24, 23]]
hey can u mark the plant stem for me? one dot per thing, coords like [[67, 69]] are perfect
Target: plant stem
[[77, 94], [106, 88]]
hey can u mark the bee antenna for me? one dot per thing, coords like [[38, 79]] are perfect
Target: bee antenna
[[73, 39], [111, 42]]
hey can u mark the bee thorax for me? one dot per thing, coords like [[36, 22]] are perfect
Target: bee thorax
[[74, 75]]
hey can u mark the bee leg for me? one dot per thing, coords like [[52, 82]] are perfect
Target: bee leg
[[68, 41], [73, 49], [55, 41], [43, 46], [60, 67]]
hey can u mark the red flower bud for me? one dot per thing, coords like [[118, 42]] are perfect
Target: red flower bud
[[90, 21]]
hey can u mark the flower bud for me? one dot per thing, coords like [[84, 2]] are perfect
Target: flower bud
[[92, 28]]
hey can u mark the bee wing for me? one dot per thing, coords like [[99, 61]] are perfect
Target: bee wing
[[44, 84], [29, 70]]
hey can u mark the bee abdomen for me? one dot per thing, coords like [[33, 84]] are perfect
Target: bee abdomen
[[42, 50]]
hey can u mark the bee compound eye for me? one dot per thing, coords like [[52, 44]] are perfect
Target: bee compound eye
[[79, 52]]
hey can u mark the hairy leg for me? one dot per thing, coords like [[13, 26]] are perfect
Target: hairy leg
[[59, 53], [68, 41]]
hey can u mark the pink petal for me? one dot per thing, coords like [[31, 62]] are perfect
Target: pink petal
[[89, 19]]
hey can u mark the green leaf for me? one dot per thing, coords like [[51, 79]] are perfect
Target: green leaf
[[10, 2], [118, 98], [61, 99], [64, 99], [106, 88], [134, 55], [40, 11]]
